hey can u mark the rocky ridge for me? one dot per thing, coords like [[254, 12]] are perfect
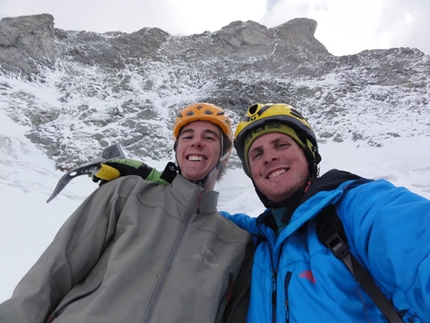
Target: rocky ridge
[[84, 91]]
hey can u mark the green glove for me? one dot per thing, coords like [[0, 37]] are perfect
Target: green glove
[[122, 167]]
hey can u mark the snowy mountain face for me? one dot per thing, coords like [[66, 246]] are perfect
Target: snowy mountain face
[[78, 92], [66, 95]]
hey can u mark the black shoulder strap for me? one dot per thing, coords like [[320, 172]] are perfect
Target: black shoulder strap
[[170, 172], [331, 233]]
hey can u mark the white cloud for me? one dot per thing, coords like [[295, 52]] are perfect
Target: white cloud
[[347, 27], [407, 24], [173, 16], [199, 16]]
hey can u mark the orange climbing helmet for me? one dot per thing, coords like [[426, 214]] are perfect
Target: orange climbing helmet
[[206, 112]]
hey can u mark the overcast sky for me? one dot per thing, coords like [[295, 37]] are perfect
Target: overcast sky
[[344, 26]]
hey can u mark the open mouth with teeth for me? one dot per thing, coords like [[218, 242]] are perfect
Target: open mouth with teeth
[[196, 158], [277, 172]]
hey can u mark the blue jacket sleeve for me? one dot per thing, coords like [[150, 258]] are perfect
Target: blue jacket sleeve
[[243, 221], [388, 228]]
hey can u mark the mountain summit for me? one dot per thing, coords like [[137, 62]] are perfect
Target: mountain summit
[[78, 92]]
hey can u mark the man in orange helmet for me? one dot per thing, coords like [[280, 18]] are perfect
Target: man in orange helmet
[[135, 251]]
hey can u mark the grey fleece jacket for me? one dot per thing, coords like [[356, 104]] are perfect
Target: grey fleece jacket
[[134, 252]]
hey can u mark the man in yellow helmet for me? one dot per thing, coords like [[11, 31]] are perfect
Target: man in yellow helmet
[[135, 251], [303, 259]]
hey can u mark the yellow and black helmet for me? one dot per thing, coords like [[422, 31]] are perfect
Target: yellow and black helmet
[[206, 112], [276, 117]]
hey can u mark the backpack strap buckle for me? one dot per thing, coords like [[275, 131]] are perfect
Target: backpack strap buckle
[[337, 246]]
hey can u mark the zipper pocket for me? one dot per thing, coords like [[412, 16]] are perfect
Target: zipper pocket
[[226, 298], [286, 285], [230, 286], [63, 307]]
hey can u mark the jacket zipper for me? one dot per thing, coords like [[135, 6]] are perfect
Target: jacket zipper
[[287, 305], [274, 276], [153, 301], [274, 295]]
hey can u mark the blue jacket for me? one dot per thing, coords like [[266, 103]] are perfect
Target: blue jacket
[[296, 278]]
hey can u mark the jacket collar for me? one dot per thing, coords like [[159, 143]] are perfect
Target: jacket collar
[[327, 182], [185, 192]]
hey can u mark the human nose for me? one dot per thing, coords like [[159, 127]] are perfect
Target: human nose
[[197, 142], [270, 156]]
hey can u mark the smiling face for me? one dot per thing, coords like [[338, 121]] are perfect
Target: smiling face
[[278, 166], [198, 151]]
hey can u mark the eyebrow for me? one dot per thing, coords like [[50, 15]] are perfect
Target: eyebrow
[[190, 130], [260, 147]]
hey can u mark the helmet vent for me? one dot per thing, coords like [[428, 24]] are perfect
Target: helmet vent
[[296, 113], [253, 108]]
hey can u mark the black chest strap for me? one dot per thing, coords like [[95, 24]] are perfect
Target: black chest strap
[[331, 233]]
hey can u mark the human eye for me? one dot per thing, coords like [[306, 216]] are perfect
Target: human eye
[[255, 155], [282, 145], [186, 136], [209, 138]]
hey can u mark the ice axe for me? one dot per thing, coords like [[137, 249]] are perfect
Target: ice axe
[[111, 152]]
